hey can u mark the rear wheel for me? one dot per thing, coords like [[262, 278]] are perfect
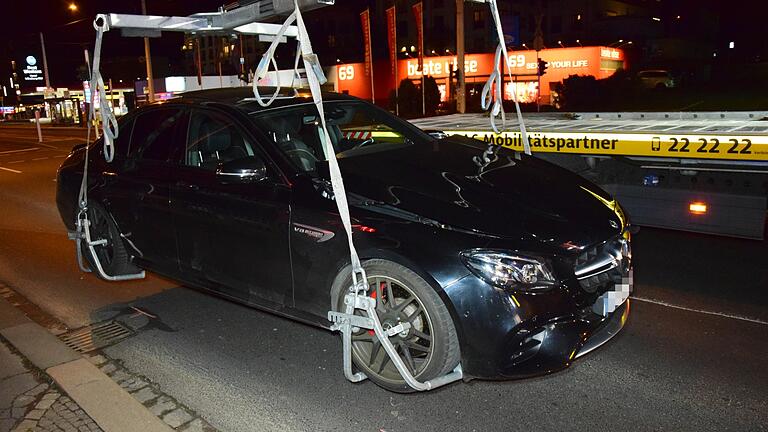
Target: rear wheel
[[113, 255], [429, 348]]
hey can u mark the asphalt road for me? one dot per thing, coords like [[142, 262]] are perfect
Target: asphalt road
[[692, 356]]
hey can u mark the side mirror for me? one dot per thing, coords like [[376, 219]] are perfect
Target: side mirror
[[249, 169]]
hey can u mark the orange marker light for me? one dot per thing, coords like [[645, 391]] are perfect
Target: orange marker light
[[697, 207]]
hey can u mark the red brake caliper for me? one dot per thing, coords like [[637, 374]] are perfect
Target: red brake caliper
[[373, 295]]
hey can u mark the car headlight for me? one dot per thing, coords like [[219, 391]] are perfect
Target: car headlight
[[507, 270]]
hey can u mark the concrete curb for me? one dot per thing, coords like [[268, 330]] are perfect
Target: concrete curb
[[113, 409]]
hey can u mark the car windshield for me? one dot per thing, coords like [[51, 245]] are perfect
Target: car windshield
[[354, 128]]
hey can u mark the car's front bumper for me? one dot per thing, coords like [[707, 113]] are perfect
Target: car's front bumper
[[506, 336]]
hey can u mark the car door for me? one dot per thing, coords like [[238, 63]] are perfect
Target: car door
[[232, 233], [138, 186]]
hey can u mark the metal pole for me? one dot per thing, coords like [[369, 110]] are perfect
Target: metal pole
[[421, 53], [199, 63], [37, 122], [111, 95], [45, 62], [242, 57], [538, 84], [148, 60], [461, 102]]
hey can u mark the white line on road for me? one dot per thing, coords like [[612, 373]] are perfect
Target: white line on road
[[19, 161], [11, 170], [19, 151], [706, 312], [40, 158]]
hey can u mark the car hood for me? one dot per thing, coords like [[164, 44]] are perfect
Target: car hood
[[515, 197]]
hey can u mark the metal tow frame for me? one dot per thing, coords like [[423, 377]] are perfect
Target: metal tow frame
[[83, 233], [347, 323]]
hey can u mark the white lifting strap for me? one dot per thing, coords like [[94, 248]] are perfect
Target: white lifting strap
[[356, 298], [315, 78], [491, 96], [82, 235]]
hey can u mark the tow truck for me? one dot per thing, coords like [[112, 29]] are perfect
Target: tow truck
[[694, 171]]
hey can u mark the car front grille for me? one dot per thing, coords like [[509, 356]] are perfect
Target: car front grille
[[603, 264]]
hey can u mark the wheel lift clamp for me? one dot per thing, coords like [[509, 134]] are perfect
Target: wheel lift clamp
[[247, 20]]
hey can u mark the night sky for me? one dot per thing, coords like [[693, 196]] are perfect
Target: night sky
[[742, 21]]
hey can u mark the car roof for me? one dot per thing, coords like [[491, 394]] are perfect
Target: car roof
[[243, 97]]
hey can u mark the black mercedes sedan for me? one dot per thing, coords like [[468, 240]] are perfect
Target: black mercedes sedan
[[508, 265]]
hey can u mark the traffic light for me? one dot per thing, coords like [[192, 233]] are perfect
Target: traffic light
[[542, 67]]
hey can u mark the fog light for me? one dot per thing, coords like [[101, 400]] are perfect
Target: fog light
[[697, 207]]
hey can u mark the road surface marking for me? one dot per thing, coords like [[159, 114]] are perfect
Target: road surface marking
[[19, 151], [15, 161], [706, 312], [11, 170], [40, 158]]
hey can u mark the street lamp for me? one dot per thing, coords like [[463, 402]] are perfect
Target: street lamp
[[579, 42], [72, 7], [626, 43], [561, 44], [618, 41], [525, 46]]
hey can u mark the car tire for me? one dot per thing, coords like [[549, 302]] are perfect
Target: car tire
[[430, 320], [113, 256]]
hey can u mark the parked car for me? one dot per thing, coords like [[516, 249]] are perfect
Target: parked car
[[514, 267], [656, 79]]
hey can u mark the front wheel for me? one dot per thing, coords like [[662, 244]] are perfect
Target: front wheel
[[429, 349]]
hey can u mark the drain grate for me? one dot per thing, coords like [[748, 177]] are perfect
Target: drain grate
[[96, 336]]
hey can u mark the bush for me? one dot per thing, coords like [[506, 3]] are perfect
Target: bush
[[409, 98], [586, 93]]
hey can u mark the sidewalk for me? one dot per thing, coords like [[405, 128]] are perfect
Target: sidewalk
[[30, 401], [47, 386]]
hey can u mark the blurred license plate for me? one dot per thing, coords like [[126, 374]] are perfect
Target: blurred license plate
[[613, 298]]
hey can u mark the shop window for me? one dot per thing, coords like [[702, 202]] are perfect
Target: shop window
[[478, 19]]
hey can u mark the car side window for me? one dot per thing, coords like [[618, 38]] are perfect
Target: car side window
[[212, 140], [154, 133], [123, 140]]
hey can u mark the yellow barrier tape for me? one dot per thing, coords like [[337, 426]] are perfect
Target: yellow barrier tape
[[694, 146]]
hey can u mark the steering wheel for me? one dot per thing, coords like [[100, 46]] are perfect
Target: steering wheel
[[364, 143]]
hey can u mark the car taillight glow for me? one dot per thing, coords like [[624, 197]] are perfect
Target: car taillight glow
[[697, 207]]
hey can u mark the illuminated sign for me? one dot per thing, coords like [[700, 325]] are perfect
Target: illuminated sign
[[440, 67], [563, 62], [743, 147], [346, 72], [4, 110], [175, 84], [31, 71], [611, 53]]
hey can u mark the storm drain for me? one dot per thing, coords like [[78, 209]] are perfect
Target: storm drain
[[96, 336]]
